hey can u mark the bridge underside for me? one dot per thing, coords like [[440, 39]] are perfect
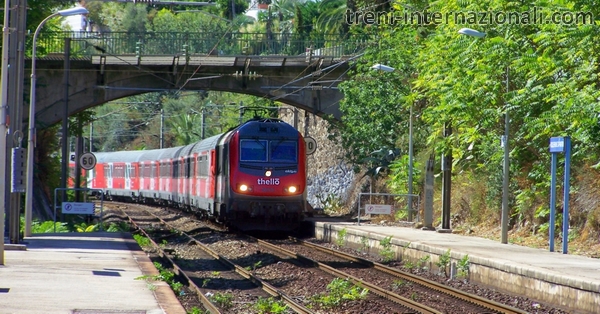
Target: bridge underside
[[306, 84]]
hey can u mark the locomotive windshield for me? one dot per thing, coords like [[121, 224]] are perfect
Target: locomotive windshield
[[253, 150], [282, 151], [279, 151]]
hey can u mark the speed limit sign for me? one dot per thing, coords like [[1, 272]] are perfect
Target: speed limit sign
[[311, 145], [87, 161]]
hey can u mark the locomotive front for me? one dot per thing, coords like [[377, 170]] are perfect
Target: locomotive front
[[268, 176]]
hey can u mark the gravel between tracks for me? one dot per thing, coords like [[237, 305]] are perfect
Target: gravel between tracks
[[298, 281]]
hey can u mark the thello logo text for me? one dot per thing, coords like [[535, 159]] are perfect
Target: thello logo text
[[270, 181]]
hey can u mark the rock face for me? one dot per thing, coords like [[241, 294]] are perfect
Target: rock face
[[330, 179]]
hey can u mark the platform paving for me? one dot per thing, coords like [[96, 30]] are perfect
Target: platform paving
[[81, 273], [567, 281]]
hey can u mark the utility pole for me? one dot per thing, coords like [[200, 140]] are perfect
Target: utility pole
[[446, 182], [203, 130], [16, 77], [162, 126], [3, 127], [91, 136], [64, 170]]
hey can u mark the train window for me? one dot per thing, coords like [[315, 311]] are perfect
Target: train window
[[283, 151], [188, 166], [253, 150]]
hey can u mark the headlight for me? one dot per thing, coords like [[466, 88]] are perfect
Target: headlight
[[292, 189], [268, 173], [243, 188]]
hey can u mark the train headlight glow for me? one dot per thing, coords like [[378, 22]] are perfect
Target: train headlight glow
[[243, 188], [292, 189], [268, 173]]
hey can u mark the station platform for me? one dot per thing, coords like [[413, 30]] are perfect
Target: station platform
[[566, 281], [81, 273]]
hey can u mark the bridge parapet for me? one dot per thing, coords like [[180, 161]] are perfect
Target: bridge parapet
[[202, 43]]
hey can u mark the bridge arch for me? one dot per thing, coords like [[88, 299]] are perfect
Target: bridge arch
[[310, 85]]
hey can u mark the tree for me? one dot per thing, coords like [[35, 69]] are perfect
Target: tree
[[226, 7]]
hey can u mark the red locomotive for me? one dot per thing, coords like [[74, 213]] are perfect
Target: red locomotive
[[252, 177]]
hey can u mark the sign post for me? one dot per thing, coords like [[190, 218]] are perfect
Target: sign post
[[559, 145]]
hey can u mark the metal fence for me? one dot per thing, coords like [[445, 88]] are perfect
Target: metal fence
[[201, 43]]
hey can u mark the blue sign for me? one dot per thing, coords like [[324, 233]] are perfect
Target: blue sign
[[557, 144]]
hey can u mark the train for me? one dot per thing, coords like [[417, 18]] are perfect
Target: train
[[252, 177]]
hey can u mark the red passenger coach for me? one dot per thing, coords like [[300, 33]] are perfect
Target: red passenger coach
[[252, 177]]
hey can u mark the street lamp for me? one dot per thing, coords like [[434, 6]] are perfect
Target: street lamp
[[386, 68], [506, 163], [31, 143]]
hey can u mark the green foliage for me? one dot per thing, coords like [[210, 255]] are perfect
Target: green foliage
[[195, 310], [256, 265], [386, 252], [397, 181], [118, 227], [463, 266], [142, 240], [224, 300], [270, 306], [404, 248], [332, 204], [225, 6], [399, 283], [340, 290], [47, 226], [177, 287], [422, 262], [364, 243], [544, 75], [443, 262], [84, 227], [341, 237]]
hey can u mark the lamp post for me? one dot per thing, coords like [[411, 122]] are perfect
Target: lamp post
[[31, 142], [386, 68], [506, 162]]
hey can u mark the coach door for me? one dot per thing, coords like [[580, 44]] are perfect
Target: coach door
[[109, 175], [221, 185], [128, 171]]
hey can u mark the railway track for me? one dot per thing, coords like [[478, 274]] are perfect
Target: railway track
[[262, 267], [214, 257], [363, 268]]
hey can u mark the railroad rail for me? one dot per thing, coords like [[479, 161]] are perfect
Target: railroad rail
[[412, 306], [270, 289], [460, 295]]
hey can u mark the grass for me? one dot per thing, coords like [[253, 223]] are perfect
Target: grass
[[339, 291], [386, 252], [341, 237], [270, 306]]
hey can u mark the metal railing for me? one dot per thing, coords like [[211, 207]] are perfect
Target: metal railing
[[201, 43], [397, 202]]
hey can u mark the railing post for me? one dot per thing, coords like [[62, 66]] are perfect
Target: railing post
[[186, 53], [309, 53], [138, 50]]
